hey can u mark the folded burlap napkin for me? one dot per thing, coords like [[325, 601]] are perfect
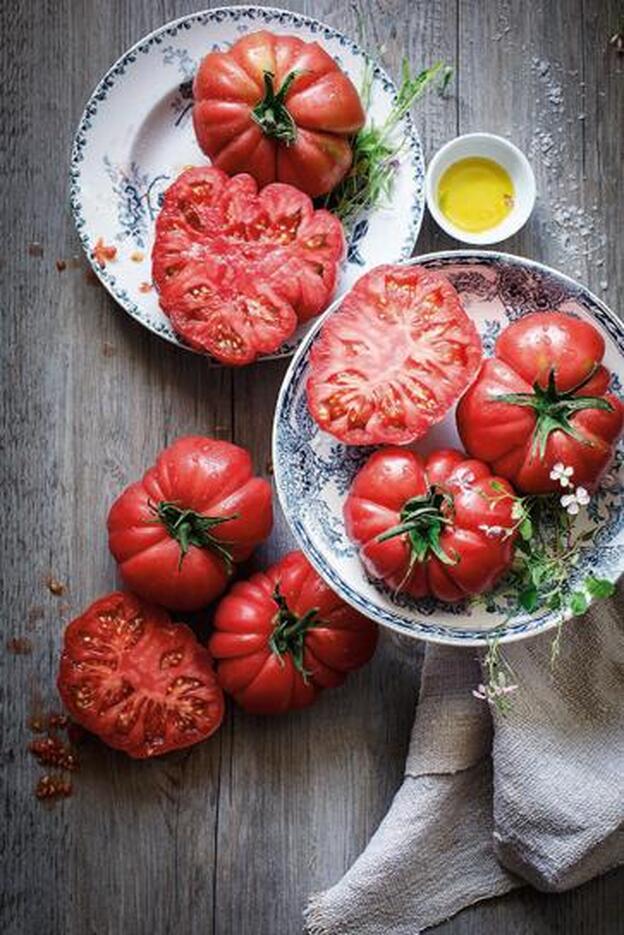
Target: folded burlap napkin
[[491, 802]]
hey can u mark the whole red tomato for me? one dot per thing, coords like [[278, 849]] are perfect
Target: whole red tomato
[[178, 533], [143, 684], [440, 526], [543, 399], [235, 268], [278, 108], [283, 635]]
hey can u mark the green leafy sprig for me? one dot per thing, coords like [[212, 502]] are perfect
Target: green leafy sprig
[[548, 548], [376, 150]]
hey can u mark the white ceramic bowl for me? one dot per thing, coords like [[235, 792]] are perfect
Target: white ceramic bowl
[[313, 471], [500, 150]]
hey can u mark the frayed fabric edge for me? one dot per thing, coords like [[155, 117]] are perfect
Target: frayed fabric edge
[[314, 924]]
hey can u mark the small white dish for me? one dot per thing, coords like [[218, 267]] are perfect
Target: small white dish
[[500, 150]]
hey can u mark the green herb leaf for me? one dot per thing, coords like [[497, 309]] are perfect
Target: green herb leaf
[[599, 587], [528, 599], [376, 152], [526, 528], [498, 487], [578, 603]]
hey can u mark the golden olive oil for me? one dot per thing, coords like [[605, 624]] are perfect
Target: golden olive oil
[[475, 194]]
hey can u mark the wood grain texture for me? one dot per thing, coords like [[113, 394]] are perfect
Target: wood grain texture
[[230, 837]]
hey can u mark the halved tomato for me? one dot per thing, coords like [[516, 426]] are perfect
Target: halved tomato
[[265, 260], [142, 683], [233, 323], [393, 358]]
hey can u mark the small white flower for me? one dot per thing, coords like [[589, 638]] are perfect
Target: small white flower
[[572, 502], [562, 473], [464, 478], [496, 689], [503, 689], [493, 532]]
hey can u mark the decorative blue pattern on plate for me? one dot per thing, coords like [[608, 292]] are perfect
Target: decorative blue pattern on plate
[[136, 135], [313, 471]]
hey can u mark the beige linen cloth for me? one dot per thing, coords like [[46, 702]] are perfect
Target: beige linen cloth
[[491, 802]]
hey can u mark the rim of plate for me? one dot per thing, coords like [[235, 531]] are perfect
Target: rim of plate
[[117, 69], [420, 629]]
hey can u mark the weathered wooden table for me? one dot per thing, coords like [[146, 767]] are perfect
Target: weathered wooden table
[[231, 836]]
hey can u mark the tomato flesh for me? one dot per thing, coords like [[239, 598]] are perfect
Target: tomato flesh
[[142, 683], [393, 359], [237, 269]]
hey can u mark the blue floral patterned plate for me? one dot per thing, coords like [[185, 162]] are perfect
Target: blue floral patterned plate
[[136, 136], [313, 471]]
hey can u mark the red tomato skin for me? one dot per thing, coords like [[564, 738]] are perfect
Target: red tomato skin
[[391, 477], [212, 477], [322, 101], [263, 682], [502, 433], [144, 654]]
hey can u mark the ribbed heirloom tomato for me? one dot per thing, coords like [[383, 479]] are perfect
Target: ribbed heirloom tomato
[[178, 532], [439, 526], [237, 269], [392, 360], [278, 108], [283, 635], [143, 684], [542, 399]]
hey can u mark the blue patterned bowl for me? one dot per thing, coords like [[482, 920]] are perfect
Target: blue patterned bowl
[[136, 136], [313, 471]]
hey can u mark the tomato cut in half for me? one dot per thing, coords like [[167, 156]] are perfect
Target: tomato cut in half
[[393, 359], [234, 324], [264, 261], [140, 682]]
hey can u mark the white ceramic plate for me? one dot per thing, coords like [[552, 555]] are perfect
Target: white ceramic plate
[[136, 136], [313, 471]]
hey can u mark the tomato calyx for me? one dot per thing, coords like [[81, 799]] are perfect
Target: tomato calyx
[[553, 409], [290, 631], [272, 115], [423, 520], [188, 527]]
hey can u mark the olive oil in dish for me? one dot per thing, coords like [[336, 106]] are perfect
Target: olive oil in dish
[[475, 194]]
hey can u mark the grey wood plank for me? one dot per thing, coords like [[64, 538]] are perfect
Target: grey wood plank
[[231, 836]]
